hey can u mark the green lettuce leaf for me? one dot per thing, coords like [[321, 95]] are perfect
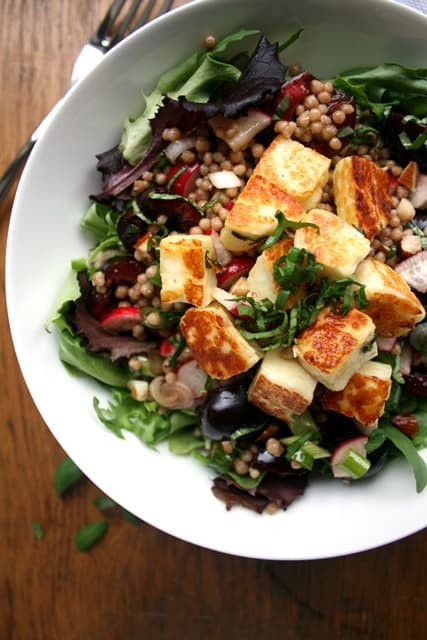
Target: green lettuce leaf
[[197, 77]]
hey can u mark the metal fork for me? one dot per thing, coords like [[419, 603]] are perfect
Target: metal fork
[[108, 33]]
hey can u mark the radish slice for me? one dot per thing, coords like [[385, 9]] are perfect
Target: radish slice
[[414, 271], [349, 459], [406, 360], [185, 182], [121, 319], [224, 179], [175, 148], [386, 344], [224, 298], [238, 267]]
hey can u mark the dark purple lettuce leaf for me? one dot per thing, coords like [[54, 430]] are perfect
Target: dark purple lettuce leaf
[[282, 491], [97, 340], [263, 75], [110, 161]]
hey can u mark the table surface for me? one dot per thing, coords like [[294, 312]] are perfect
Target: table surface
[[139, 582]]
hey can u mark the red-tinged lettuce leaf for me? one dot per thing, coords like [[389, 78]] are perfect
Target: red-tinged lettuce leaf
[[263, 75], [99, 341], [171, 114]]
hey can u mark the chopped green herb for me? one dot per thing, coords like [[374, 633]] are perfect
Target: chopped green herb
[[66, 475], [90, 534], [37, 530]]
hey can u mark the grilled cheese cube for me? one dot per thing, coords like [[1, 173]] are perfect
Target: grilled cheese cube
[[296, 169], [253, 214], [334, 347], [185, 269], [364, 396], [260, 281], [338, 246], [393, 307], [362, 194], [235, 242], [281, 387], [215, 342]]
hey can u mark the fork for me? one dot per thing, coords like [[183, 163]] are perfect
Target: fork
[[107, 34]]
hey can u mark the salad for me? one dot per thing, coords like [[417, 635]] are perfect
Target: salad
[[255, 291]]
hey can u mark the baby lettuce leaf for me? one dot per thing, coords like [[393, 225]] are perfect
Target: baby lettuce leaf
[[387, 86], [74, 355], [101, 221], [197, 77], [143, 419]]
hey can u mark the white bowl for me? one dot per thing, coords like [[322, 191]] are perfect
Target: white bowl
[[169, 492]]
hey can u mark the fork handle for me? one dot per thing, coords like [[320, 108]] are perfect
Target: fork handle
[[9, 175]]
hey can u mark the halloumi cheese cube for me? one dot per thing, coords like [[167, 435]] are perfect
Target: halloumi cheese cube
[[334, 347], [281, 387], [364, 396], [393, 307], [216, 343], [362, 194], [186, 269], [235, 242], [260, 280], [296, 169], [253, 215], [338, 246]]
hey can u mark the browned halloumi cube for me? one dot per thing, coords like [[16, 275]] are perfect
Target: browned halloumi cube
[[281, 387], [296, 169], [260, 281], [253, 215], [185, 269], [215, 342], [393, 307], [334, 347], [362, 194], [364, 396], [338, 246]]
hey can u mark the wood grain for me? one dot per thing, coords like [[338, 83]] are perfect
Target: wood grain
[[138, 582]]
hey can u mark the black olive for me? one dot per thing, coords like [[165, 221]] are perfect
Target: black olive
[[227, 409]]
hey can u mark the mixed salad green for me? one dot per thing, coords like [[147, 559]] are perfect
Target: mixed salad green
[[96, 329]]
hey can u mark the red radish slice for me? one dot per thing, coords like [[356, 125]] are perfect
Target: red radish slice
[[166, 348], [238, 267], [350, 453], [185, 182], [121, 319]]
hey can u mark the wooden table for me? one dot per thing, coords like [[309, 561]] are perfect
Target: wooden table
[[138, 582]]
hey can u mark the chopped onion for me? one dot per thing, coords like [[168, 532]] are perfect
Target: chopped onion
[[224, 179], [193, 376], [223, 255], [171, 395], [175, 148]]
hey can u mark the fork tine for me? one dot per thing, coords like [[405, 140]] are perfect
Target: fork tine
[[107, 22], [124, 25], [167, 4]]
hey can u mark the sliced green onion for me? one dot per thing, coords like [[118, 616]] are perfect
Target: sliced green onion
[[305, 459], [355, 464]]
